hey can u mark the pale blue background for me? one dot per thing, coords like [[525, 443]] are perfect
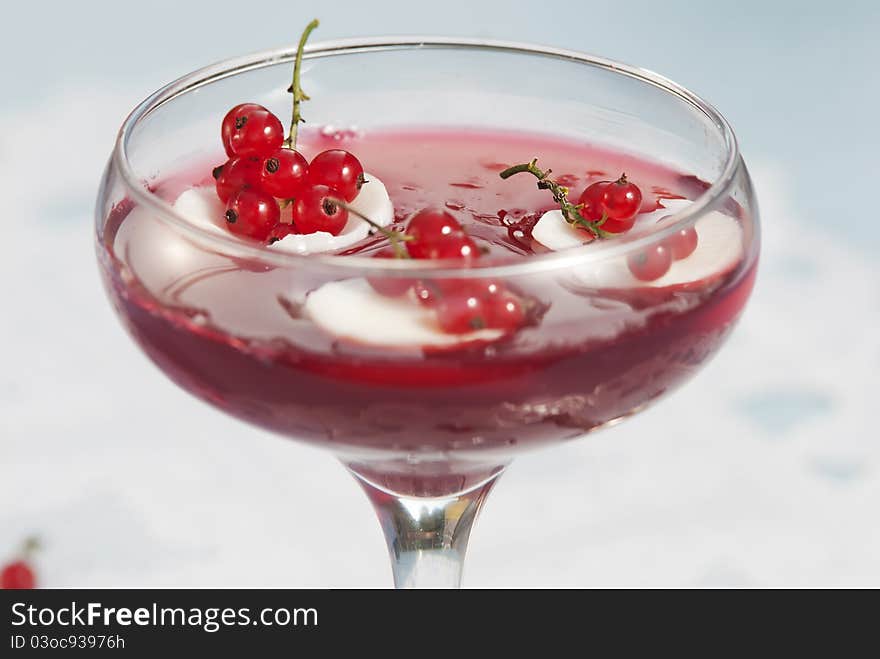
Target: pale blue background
[[798, 80], [763, 471]]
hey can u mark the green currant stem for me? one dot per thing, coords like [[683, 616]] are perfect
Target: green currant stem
[[298, 94], [570, 211], [30, 547], [396, 238]]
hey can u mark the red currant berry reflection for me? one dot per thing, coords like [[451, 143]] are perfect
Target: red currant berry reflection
[[651, 263], [459, 314], [283, 173], [504, 311], [482, 288], [256, 132], [435, 234], [17, 575], [682, 243], [432, 292], [338, 169], [316, 209], [428, 292], [236, 175], [252, 214], [389, 286]]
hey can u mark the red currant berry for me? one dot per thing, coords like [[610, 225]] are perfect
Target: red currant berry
[[650, 264], [505, 312], [459, 314], [435, 234], [617, 226], [339, 170], [622, 199], [389, 286], [253, 214], [17, 576], [239, 115], [682, 243], [315, 210], [280, 231], [283, 173], [252, 132], [618, 201], [593, 201], [236, 175], [426, 228]]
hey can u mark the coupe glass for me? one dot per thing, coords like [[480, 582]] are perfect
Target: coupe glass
[[426, 434]]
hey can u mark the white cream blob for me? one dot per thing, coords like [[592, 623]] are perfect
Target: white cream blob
[[348, 309], [351, 309], [553, 232], [201, 207], [719, 248], [372, 201]]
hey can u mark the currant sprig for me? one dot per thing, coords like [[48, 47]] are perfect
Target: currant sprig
[[571, 212], [396, 238], [296, 88], [265, 173]]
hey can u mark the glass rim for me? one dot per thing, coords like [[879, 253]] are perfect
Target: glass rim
[[586, 254]]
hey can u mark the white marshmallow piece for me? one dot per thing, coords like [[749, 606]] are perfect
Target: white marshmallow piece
[[352, 310], [203, 208], [554, 232], [719, 248], [372, 201]]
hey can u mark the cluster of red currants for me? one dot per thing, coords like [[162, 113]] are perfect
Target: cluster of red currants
[[619, 202], [261, 171], [462, 305]]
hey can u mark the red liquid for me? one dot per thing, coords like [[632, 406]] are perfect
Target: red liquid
[[425, 421]]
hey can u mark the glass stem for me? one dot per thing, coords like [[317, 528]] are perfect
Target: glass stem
[[427, 537]]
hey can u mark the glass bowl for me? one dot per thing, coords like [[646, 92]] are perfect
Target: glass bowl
[[426, 432]]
